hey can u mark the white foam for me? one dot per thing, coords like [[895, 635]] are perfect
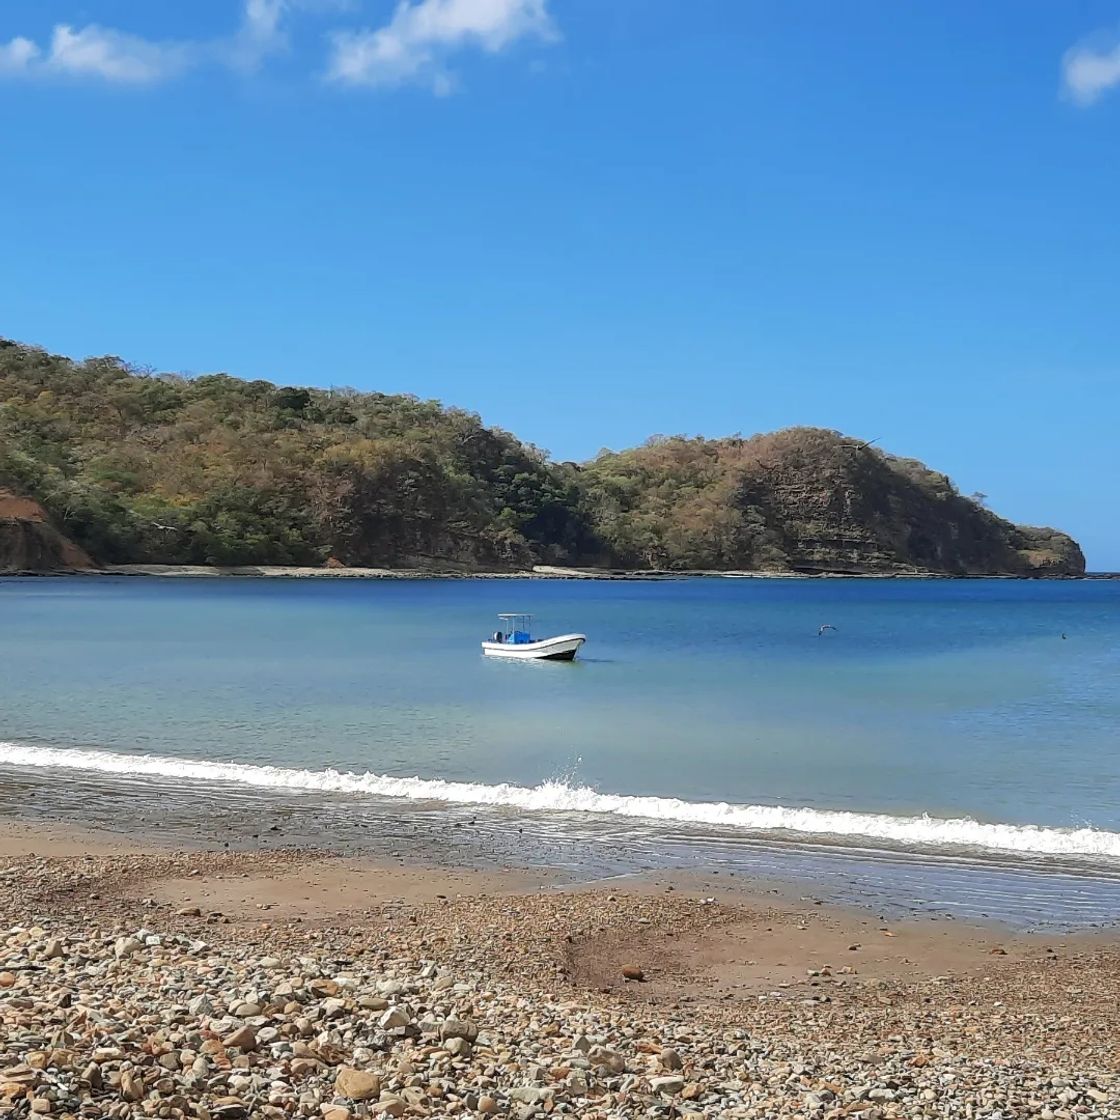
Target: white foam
[[563, 798]]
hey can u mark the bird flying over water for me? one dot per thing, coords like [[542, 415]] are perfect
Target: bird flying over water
[[826, 626]]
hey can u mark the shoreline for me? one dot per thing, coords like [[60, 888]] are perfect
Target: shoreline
[[324, 886], [538, 572], [1020, 891], [304, 983], [430, 868]]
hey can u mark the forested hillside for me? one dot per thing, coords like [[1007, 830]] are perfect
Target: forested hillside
[[214, 470], [159, 468], [806, 499]]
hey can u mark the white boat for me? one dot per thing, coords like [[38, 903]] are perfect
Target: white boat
[[513, 639]]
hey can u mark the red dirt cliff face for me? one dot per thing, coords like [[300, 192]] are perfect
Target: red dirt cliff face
[[20, 509], [29, 543]]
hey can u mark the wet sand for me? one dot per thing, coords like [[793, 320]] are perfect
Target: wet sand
[[753, 939]]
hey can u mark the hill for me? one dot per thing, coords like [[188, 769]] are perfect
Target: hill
[[135, 467], [805, 499]]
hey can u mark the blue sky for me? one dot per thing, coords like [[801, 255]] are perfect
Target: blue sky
[[593, 220]]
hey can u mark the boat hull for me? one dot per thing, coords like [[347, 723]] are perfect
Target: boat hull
[[563, 648]]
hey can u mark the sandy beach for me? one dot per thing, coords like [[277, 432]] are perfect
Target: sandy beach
[[141, 980], [539, 571]]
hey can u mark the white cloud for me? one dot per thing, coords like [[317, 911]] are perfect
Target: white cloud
[[125, 59], [99, 52], [416, 42], [1092, 68], [17, 56], [259, 36], [413, 46]]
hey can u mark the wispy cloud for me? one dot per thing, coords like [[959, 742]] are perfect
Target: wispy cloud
[[1092, 68], [416, 43], [16, 56], [414, 46], [260, 34], [126, 59], [100, 52]]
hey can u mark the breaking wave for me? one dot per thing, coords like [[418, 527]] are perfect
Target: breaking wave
[[560, 797]]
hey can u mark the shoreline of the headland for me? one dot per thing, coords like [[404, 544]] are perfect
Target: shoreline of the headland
[[1015, 889], [539, 572], [323, 980], [341, 881]]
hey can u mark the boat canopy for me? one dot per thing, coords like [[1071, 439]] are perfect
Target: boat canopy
[[516, 627]]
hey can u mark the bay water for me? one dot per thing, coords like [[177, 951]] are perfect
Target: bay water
[[971, 727]]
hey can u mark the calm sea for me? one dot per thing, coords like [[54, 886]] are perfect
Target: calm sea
[[971, 725]]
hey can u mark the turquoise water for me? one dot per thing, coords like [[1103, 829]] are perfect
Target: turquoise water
[[937, 718]]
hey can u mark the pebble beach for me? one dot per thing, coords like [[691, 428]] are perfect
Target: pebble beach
[[127, 990]]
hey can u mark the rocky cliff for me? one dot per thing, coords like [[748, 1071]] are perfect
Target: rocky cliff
[[29, 543]]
